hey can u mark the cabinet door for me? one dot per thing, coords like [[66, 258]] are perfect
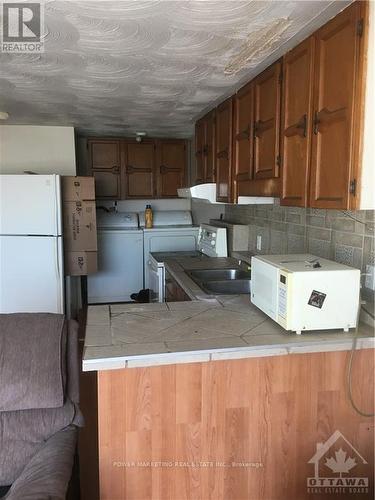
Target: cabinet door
[[199, 151], [243, 135], [173, 291], [107, 183], [171, 167], [337, 45], [139, 172], [267, 102], [209, 148], [104, 153], [104, 161], [224, 119], [296, 123]]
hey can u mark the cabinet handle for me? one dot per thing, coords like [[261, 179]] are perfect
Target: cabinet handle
[[300, 128], [261, 126], [245, 134], [302, 125], [223, 154], [205, 150], [327, 116]]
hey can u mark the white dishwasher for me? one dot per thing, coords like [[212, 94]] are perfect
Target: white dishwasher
[[120, 259]]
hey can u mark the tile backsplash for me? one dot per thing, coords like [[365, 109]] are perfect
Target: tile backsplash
[[343, 236]]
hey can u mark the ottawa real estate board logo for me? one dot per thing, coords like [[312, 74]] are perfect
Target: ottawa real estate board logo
[[338, 468], [22, 25]]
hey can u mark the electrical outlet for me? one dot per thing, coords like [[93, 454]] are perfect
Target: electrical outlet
[[370, 277], [259, 242]]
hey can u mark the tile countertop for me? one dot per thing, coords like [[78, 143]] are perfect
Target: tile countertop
[[206, 328]]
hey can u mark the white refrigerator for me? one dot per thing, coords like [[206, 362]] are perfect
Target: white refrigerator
[[31, 249]]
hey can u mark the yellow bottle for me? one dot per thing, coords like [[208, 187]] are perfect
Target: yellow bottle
[[148, 217]]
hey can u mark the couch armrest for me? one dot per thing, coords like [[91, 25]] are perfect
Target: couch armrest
[[47, 475]]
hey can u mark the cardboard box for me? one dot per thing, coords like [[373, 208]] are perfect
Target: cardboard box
[[79, 226], [77, 188], [80, 263]]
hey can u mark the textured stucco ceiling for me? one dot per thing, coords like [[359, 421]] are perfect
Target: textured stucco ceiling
[[117, 67]]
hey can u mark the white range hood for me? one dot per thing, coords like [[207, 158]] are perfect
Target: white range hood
[[204, 192], [207, 192]]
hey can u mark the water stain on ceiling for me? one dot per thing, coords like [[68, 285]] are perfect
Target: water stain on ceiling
[[114, 67]]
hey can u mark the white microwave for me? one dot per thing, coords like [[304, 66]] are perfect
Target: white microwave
[[304, 292]]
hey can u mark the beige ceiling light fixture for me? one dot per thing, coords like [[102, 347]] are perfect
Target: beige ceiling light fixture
[[257, 45], [4, 115]]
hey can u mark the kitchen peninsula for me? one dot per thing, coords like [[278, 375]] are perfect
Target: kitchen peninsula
[[209, 398]]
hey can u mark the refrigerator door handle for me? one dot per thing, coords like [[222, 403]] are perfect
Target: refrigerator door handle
[[59, 272]]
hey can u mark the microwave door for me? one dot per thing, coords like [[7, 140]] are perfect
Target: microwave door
[[264, 287]]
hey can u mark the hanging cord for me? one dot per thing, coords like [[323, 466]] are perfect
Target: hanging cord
[[350, 366]]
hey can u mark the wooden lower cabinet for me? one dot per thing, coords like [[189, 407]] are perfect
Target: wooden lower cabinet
[[173, 291], [232, 430]]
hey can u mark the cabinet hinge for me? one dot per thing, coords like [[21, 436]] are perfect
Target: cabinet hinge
[[278, 161], [360, 26], [353, 187]]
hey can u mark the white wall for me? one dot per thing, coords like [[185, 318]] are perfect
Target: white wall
[[203, 211], [156, 204], [44, 150]]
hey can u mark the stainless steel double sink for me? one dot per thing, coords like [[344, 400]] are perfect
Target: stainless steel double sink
[[221, 281]]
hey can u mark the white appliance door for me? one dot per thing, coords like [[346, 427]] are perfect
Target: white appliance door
[[264, 287], [30, 204], [156, 282], [31, 274], [120, 267], [168, 241]]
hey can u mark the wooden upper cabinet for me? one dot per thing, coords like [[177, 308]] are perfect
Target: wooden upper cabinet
[[266, 132], [205, 148], [209, 148], [139, 170], [104, 162], [243, 135], [171, 167], [224, 123], [337, 52], [104, 154], [107, 184], [296, 123], [199, 147]]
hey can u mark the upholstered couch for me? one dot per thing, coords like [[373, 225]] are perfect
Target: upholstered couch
[[39, 412]]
